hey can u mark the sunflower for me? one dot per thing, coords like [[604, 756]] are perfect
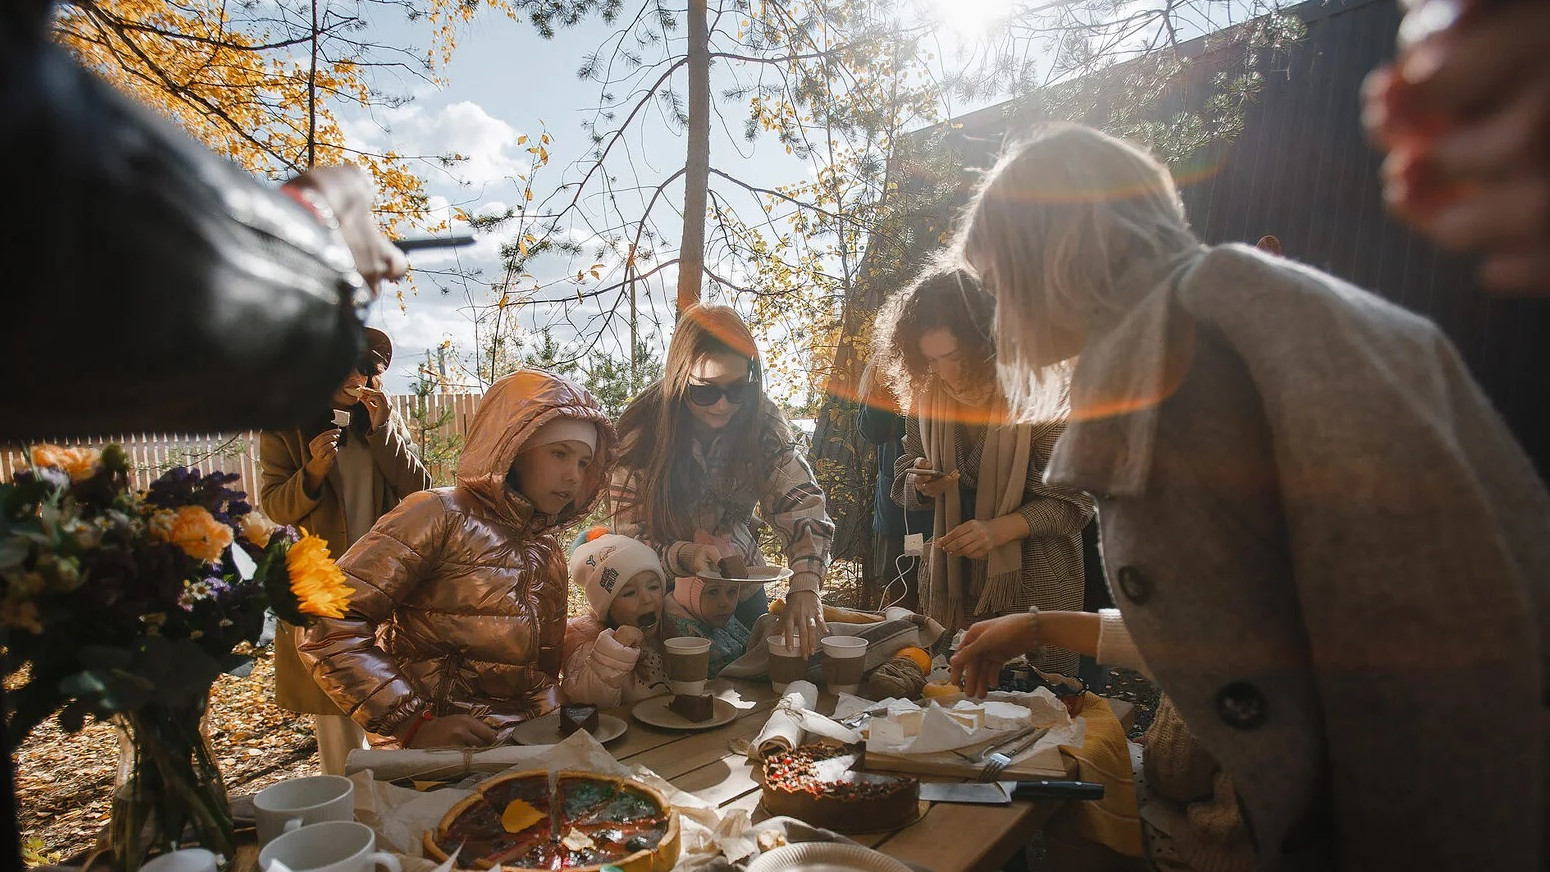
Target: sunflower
[[316, 581]]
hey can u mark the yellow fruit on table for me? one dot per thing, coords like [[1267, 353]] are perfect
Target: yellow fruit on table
[[940, 690], [918, 656]]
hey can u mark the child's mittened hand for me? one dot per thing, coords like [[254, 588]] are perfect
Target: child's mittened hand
[[699, 559], [629, 636]]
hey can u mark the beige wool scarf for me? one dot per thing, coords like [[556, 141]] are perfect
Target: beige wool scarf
[[992, 586]]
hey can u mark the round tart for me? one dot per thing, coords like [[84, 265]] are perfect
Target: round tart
[[577, 821]]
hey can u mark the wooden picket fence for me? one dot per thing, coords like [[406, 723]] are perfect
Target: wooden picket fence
[[150, 455]]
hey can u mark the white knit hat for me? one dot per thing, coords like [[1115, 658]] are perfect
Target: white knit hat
[[563, 429], [603, 564]]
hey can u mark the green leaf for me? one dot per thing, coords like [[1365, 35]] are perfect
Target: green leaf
[[277, 586]]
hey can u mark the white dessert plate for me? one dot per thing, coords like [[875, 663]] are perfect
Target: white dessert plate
[[546, 730], [655, 712], [825, 857]]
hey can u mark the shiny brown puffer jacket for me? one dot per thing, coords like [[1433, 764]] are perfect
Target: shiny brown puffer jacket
[[459, 593]]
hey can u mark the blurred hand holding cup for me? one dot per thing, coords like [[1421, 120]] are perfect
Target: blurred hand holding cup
[[787, 664]]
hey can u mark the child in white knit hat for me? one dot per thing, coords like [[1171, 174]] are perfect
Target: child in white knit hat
[[613, 653]]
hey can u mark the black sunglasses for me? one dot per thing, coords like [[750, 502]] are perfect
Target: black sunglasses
[[709, 395]]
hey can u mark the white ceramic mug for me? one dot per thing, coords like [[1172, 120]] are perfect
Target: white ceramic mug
[[185, 860], [281, 808], [331, 846]]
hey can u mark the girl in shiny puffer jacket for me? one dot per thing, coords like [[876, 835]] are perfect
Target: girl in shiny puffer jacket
[[457, 615]]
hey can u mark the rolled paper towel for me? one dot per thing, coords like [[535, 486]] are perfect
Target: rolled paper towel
[[783, 731]]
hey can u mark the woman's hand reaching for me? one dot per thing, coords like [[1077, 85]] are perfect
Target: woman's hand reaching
[[803, 619]]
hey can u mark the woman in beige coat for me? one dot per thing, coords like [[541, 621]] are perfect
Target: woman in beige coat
[[337, 483], [456, 621], [1325, 543]]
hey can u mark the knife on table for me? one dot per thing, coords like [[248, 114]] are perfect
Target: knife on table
[[1003, 792]]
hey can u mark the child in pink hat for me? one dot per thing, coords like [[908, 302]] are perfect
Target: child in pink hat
[[702, 608], [613, 653]]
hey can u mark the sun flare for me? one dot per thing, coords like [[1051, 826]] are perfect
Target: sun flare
[[969, 18]]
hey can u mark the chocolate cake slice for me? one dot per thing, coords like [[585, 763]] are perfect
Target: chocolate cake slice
[[694, 708], [733, 567], [578, 716]]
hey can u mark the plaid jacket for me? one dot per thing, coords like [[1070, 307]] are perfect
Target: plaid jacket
[[791, 502]]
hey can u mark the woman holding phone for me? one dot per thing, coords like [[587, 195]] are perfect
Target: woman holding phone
[[1001, 540], [336, 477]]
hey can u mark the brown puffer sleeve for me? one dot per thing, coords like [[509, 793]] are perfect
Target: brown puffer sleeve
[[382, 569]]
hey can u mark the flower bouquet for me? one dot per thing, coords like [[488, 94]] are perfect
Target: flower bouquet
[[126, 607]]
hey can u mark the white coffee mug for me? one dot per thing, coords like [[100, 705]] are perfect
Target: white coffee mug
[[331, 846], [281, 808], [185, 860]]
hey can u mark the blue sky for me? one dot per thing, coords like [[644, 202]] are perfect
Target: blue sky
[[505, 81]]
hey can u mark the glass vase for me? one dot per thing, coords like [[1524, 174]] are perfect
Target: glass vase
[[168, 792]]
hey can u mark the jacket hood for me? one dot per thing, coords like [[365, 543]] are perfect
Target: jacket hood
[[512, 410]]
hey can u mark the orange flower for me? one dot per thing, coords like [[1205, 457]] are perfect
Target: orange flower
[[80, 463], [196, 531], [316, 580]]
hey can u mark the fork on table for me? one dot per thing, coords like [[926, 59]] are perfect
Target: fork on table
[[985, 752], [996, 762]]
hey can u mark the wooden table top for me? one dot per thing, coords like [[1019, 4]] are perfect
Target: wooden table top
[[708, 764], [711, 765]]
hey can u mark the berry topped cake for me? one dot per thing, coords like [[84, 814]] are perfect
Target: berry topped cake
[[564, 820], [817, 784]]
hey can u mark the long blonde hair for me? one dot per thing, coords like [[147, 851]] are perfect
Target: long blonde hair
[[654, 429], [1062, 215]]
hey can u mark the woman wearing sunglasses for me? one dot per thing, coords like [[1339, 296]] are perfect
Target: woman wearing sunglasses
[[702, 451]]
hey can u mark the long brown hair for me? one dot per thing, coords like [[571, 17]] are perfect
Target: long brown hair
[[655, 428]]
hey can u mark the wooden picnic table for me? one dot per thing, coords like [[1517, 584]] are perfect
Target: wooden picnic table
[[711, 765]]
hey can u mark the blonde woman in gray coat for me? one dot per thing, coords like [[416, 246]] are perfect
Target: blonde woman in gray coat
[[1323, 540]]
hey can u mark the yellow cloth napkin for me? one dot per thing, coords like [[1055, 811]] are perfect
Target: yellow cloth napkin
[[1104, 757]]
